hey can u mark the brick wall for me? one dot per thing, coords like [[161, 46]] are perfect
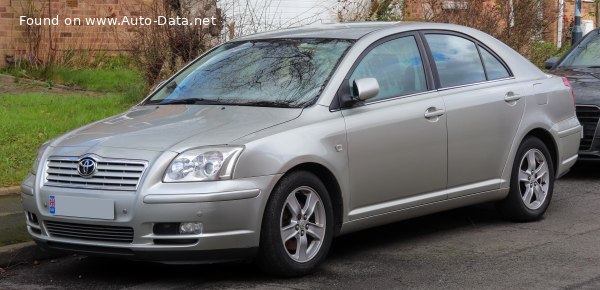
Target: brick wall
[[17, 43]]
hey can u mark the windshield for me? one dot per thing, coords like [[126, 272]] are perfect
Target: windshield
[[280, 73], [586, 54]]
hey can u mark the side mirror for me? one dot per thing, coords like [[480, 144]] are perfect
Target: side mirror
[[364, 89], [550, 62]]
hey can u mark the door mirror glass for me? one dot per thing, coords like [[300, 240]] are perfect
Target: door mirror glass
[[550, 62], [365, 88]]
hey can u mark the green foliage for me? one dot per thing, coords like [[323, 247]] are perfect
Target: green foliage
[[26, 121], [541, 51], [386, 10]]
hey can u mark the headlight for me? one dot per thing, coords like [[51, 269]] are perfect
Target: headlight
[[38, 157], [203, 164]]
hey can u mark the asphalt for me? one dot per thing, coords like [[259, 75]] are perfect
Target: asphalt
[[469, 248]]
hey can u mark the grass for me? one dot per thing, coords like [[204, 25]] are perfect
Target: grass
[[28, 120], [101, 80], [111, 79]]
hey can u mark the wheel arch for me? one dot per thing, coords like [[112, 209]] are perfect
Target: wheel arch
[[332, 185], [549, 141]]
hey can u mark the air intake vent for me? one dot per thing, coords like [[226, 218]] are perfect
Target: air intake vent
[[90, 232]]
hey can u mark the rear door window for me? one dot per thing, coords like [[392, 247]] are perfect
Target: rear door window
[[456, 58], [494, 68]]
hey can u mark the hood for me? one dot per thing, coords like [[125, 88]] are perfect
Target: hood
[[159, 128], [585, 83]]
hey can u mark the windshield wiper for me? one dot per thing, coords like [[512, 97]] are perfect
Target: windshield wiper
[[188, 101], [202, 101], [277, 104]]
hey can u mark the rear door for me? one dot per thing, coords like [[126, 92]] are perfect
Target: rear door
[[484, 106]]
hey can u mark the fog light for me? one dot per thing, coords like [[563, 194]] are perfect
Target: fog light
[[190, 228]]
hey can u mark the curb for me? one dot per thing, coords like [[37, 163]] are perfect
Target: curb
[[23, 253], [12, 190]]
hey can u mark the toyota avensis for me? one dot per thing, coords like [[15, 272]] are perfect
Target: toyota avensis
[[268, 146]]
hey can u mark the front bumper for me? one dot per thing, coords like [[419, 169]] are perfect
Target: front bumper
[[230, 213]]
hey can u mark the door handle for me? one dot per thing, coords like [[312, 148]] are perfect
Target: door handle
[[512, 97], [434, 112]]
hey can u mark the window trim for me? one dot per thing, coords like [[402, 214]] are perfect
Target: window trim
[[475, 84], [478, 44], [479, 48], [425, 60]]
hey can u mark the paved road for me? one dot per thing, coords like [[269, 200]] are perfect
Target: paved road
[[461, 249]]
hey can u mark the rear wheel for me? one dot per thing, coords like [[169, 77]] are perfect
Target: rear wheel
[[297, 226], [531, 184]]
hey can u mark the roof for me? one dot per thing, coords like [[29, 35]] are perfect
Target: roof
[[345, 30]]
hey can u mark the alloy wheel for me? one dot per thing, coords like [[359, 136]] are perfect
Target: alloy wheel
[[302, 224], [534, 179]]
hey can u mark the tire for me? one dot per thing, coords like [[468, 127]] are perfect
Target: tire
[[529, 194], [314, 229]]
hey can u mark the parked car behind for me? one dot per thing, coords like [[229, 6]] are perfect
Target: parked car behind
[[268, 146], [581, 66]]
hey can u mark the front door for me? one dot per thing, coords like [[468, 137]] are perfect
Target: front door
[[397, 142]]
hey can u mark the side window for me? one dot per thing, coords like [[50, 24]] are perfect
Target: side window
[[456, 59], [494, 68], [397, 66]]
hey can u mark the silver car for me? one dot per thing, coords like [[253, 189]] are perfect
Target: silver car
[[267, 147]]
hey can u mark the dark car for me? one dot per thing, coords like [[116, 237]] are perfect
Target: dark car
[[581, 66]]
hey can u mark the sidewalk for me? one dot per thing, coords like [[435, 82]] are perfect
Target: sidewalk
[[12, 190], [15, 243], [12, 221]]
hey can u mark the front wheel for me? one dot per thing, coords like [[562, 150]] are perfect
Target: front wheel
[[531, 183], [297, 226]]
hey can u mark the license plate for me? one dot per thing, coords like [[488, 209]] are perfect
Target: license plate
[[82, 207]]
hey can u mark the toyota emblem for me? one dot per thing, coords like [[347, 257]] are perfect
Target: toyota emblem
[[86, 167]]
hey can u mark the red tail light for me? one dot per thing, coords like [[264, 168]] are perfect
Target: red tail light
[[568, 84]]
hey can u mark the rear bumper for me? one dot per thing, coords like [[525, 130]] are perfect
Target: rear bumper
[[568, 143]]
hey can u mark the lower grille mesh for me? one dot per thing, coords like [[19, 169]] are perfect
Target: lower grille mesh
[[90, 232], [588, 117]]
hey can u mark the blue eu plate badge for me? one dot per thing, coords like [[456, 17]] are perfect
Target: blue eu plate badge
[[52, 205]]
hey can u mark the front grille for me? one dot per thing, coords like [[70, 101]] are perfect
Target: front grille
[[588, 117], [111, 174], [90, 232]]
